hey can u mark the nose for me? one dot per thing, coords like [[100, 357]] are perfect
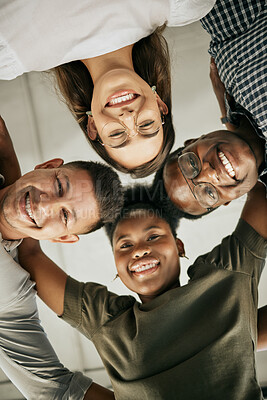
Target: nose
[[48, 206], [207, 174], [128, 119], [141, 251]]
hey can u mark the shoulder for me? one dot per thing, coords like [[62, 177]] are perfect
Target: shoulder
[[242, 251], [188, 11], [92, 302]]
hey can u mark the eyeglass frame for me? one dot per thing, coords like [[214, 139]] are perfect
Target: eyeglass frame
[[127, 134], [196, 184]]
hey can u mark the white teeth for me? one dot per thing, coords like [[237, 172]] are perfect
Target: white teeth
[[121, 99], [227, 165], [28, 207], [145, 267]]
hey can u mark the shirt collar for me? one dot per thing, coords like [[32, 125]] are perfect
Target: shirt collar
[[10, 245]]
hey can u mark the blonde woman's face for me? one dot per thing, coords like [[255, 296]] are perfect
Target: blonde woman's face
[[127, 117]]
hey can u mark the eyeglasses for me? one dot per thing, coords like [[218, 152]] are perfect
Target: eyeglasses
[[205, 193], [115, 133]]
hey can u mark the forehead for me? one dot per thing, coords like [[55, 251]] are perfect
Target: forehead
[[137, 150], [138, 222], [78, 178], [82, 197]]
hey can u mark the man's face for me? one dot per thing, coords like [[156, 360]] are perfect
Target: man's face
[[50, 203], [227, 162], [146, 254]]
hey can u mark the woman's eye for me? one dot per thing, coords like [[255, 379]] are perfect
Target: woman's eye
[[65, 216], [153, 237], [146, 124], [116, 134], [125, 245]]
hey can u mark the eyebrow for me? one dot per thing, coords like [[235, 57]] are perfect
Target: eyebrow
[[145, 230], [67, 181], [143, 136], [152, 227]]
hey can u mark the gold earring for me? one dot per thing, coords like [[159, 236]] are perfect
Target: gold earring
[[183, 255], [116, 276]]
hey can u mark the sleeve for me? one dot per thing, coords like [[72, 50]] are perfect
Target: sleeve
[[88, 306], [244, 251], [26, 355], [235, 112]]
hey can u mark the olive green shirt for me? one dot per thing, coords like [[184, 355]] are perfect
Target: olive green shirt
[[193, 342]]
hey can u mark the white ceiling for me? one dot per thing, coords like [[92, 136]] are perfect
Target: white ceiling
[[42, 128]]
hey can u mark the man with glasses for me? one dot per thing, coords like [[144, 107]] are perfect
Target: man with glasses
[[210, 171], [221, 166]]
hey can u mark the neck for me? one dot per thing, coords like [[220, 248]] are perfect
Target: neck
[[145, 299], [98, 66], [246, 132]]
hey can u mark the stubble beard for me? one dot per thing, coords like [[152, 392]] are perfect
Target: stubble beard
[[4, 207]]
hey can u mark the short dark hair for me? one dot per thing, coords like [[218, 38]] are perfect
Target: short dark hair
[[108, 190], [161, 196], [140, 197]]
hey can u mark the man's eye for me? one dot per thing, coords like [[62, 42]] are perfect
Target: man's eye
[[192, 163], [210, 193], [60, 188], [65, 216], [153, 237]]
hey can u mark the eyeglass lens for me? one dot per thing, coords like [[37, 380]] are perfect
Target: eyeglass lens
[[114, 133], [205, 192]]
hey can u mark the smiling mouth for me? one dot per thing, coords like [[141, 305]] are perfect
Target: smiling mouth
[[146, 267], [123, 99], [143, 267], [28, 208], [226, 164]]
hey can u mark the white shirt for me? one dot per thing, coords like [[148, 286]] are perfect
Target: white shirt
[[36, 35]]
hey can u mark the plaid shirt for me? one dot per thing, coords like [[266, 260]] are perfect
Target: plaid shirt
[[238, 29]]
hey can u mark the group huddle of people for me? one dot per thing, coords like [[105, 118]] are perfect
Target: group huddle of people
[[111, 66]]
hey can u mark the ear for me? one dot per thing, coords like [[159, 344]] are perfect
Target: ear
[[189, 141], [180, 247], [226, 204], [91, 128], [55, 163], [162, 106], [65, 239]]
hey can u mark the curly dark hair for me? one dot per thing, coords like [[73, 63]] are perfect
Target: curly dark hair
[[140, 197]]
